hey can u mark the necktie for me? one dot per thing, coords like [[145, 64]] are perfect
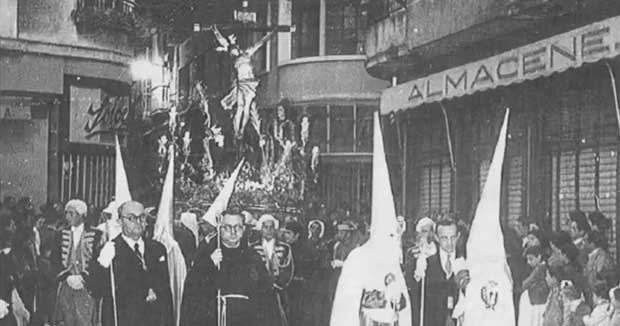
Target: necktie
[[448, 267], [136, 249]]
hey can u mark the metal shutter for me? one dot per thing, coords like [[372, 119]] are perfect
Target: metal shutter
[[607, 191], [566, 191], [515, 188], [587, 179]]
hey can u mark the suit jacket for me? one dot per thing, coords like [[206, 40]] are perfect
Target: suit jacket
[[440, 292], [91, 238], [132, 284]]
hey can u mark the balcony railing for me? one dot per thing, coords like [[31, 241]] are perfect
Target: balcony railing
[[380, 9], [125, 6], [92, 16]]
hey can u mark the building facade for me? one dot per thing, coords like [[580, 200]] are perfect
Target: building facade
[[552, 63], [64, 89], [315, 68]]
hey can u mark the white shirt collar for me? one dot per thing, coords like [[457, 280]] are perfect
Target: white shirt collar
[[78, 229], [443, 257], [77, 233], [269, 246], [131, 243]]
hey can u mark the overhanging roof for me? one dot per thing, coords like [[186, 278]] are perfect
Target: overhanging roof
[[590, 43]]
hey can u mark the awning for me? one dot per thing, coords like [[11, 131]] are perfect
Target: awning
[[572, 49]]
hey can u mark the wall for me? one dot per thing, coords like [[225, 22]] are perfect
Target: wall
[[50, 21], [386, 34], [8, 18], [324, 78], [44, 74], [23, 158]]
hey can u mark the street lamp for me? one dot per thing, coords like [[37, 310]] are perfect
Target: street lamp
[[143, 69], [153, 76]]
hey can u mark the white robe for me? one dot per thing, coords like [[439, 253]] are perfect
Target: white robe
[[366, 269]]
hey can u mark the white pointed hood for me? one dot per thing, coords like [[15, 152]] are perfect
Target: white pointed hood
[[165, 211], [384, 225], [121, 186], [112, 227], [489, 300], [164, 233], [221, 201], [375, 266]]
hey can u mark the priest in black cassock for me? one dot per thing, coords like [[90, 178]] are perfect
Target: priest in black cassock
[[241, 279]]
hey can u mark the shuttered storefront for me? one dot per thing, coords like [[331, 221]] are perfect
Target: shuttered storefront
[[346, 186], [434, 194], [580, 134], [429, 176], [87, 176]]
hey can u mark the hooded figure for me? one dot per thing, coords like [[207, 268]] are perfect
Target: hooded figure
[[371, 289], [112, 227], [488, 300]]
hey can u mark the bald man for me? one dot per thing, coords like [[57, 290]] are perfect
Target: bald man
[[142, 286], [72, 256]]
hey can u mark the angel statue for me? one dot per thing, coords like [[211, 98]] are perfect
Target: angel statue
[[244, 89]]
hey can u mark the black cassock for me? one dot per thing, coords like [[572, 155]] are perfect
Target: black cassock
[[242, 273], [132, 286]]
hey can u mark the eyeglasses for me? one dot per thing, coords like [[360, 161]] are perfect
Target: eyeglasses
[[134, 218], [238, 228]]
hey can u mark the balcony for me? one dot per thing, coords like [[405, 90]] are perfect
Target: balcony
[[96, 16], [426, 36]]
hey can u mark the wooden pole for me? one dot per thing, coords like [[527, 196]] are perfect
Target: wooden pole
[[112, 278], [615, 91], [219, 291], [422, 295], [113, 285]]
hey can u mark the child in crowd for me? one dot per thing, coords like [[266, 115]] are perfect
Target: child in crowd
[[535, 289], [601, 314], [574, 305], [553, 309], [614, 296]]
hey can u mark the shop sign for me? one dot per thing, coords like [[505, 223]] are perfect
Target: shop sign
[[590, 43], [15, 108], [94, 113]]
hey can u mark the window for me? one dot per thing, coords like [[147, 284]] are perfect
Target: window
[[346, 186], [318, 126], [306, 19], [344, 28], [434, 188], [429, 171], [340, 128], [363, 128]]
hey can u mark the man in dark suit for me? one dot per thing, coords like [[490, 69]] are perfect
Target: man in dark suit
[[440, 290], [140, 268]]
